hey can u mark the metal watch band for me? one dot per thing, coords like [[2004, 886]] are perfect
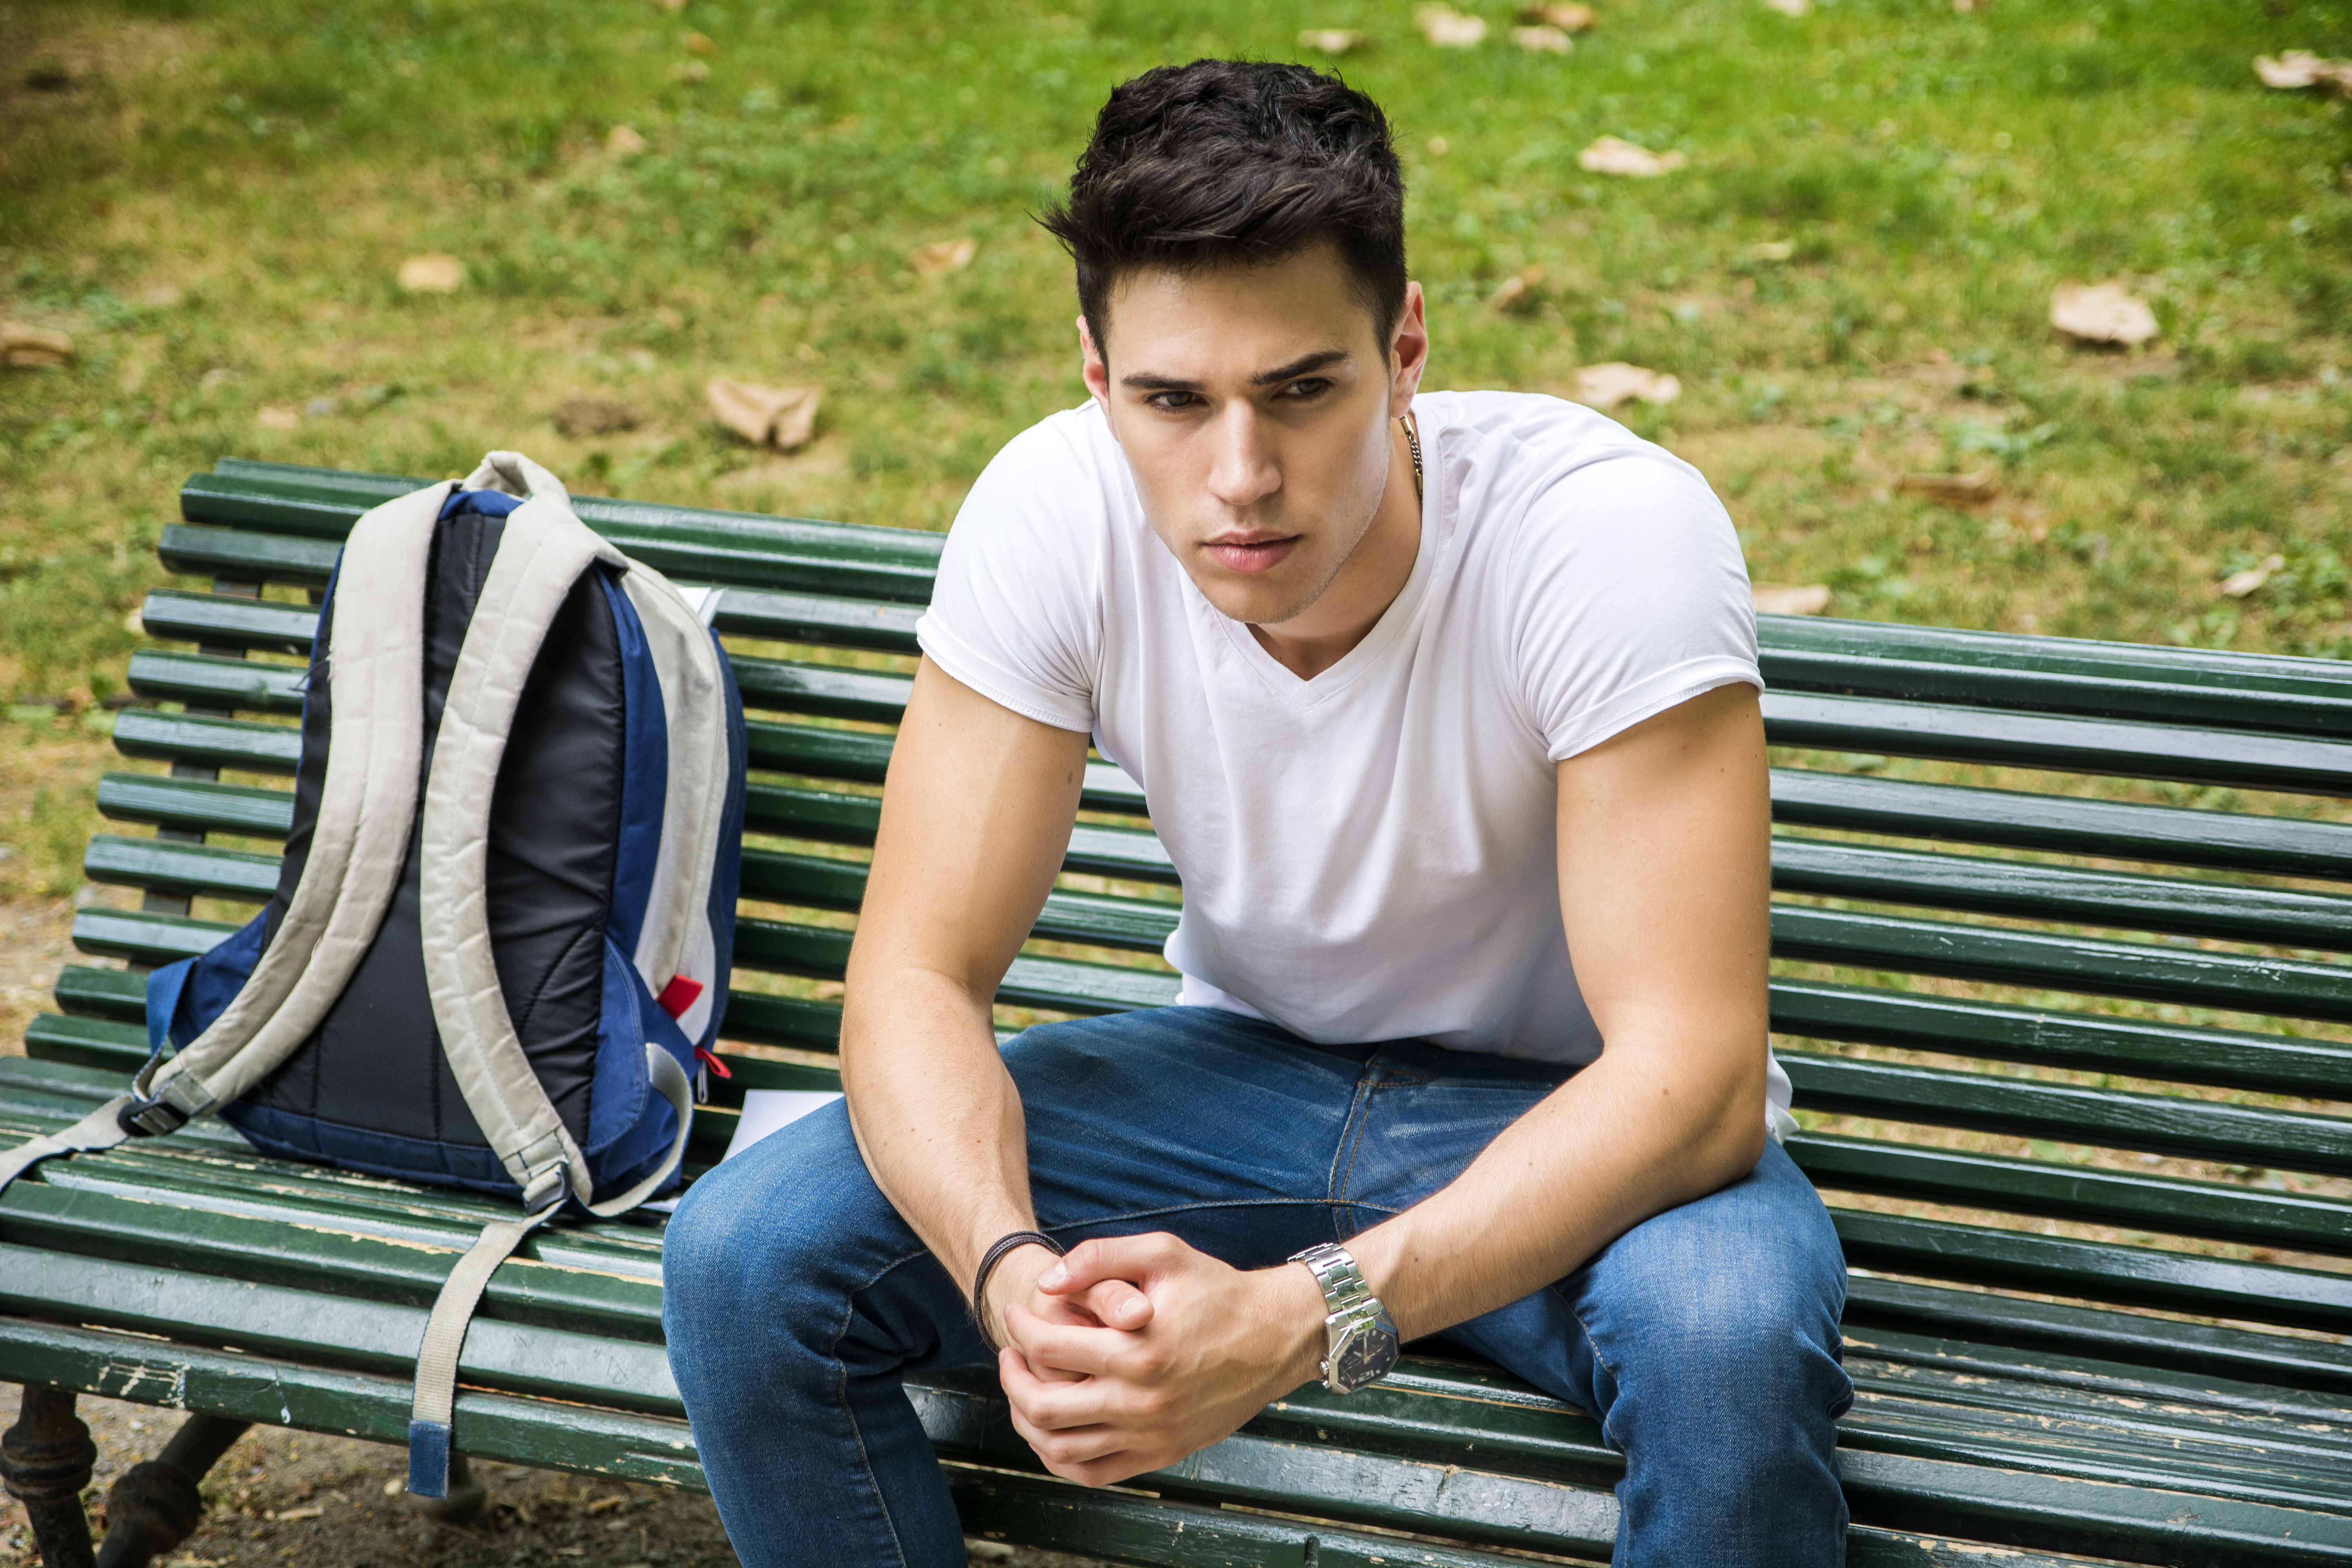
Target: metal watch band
[[1335, 1270]]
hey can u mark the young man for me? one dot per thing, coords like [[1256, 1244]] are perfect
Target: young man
[[1446, 711]]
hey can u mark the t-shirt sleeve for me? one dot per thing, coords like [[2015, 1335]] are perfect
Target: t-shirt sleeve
[[1631, 596], [1015, 612]]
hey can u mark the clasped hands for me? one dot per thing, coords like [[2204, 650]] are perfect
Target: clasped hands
[[1135, 1351]]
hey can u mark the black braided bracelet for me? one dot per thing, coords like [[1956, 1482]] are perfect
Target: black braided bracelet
[[988, 1262]]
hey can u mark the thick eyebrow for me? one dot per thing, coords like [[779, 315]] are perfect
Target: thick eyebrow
[[1305, 364]]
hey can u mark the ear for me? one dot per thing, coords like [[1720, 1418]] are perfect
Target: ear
[[1408, 352], [1097, 374]]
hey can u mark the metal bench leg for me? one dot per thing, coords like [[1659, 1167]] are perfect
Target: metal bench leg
[[156, 1504], [46, 1459], [467, 1498]]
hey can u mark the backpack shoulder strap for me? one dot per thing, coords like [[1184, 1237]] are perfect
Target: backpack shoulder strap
[[542, 554], [367, 805]]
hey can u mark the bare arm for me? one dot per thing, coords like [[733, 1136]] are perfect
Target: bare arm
[[1665, 873], [1664, 866], [975, 818]]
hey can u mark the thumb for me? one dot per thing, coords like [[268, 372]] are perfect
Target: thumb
[[1117, 1305]]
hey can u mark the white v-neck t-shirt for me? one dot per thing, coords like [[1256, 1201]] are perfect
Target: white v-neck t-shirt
[[1369, 855]]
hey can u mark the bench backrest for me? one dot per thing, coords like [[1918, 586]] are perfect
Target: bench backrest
[[2118, 1019]]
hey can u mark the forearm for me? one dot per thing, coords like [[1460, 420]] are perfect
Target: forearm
[[936, 1117], [1633, 1135]]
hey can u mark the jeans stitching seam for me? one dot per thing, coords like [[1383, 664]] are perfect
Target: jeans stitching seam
[[1615, 1378], [1352, 1141], [841, 1395]]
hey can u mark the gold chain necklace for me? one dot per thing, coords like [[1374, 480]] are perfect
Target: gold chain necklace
[[1413, 443]]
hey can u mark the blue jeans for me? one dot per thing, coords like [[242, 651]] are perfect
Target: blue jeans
[[1705, 1341]]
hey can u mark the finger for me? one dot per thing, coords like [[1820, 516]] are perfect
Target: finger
[[1064, 1347], [1115, 1304], [1045, 1400], [1133, 1259]]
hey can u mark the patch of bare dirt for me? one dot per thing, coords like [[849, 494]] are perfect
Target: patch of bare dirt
[[294, 1500]]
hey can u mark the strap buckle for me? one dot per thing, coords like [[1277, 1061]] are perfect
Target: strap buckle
[[183, 1098]]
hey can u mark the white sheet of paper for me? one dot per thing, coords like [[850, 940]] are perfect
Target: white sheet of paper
[[764, 1111]]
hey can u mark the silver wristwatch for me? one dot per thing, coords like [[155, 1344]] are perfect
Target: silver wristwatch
[[1360, 1343]]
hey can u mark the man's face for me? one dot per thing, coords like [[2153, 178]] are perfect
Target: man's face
[[1255, 406]]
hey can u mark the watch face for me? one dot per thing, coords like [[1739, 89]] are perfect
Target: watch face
[[1366, 1355]]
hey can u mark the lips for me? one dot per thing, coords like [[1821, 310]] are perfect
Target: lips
[[1251, 556]]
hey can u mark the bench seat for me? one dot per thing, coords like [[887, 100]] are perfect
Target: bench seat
[[2073, 937]]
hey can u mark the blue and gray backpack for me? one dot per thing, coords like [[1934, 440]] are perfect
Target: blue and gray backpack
[[499, 939]]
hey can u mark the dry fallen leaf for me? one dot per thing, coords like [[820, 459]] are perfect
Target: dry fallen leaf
[[778, 416], [2101, 313], [698, 43], [593, 416], [942, 257], [1604, 386], [2301, 68], [2238, 584], [1790, 8], [433, 273], [1566, 14], [624, 142], [1783, 599], [1542, 40], [32, 348], [277, 419], [1333, 41], [1610, 156], [1951, 489], [1517, 292], [1449, 28]]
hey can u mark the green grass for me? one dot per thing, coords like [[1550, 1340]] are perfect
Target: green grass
[[216, 200]]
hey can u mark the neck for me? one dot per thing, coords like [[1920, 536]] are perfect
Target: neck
[[1365, 585]]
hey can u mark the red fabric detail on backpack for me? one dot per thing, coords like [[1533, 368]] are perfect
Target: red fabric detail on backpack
[[712, 1062], [678, 996]]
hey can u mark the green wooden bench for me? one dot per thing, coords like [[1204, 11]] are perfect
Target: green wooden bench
[[2006, 1395]]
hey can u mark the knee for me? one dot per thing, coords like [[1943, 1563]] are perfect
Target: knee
[[1735, 1300], [758, 1232]]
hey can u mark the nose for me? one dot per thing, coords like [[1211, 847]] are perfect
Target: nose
[[1243, 468]]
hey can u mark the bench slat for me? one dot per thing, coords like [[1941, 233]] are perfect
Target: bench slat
[[2010, 669], [2072, 1114], [2095, 1270], [690, 543], [2125, 900], [2291, 1370], [213, 680], [2082, 1042], [199, 806], [2167, 1206], [2175, 835], [2277, 988], [2002, 738], [878, 625], [285, 1391]]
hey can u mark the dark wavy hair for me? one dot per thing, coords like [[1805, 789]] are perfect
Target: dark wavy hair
[[1224, 162]]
